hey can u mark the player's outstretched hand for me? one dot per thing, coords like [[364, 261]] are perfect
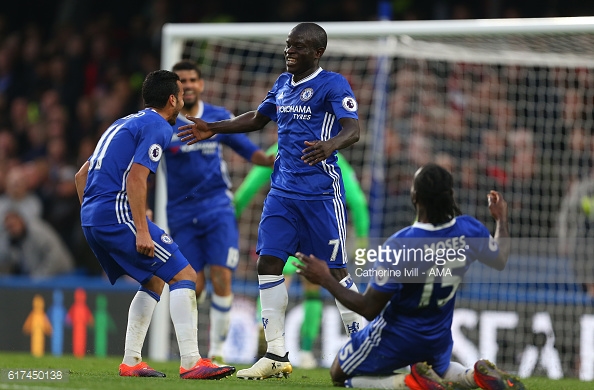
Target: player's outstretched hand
[[497, 206], [312, 268], [192, 133], [317, 151]]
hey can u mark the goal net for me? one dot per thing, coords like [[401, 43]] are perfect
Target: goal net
[[503, 104]]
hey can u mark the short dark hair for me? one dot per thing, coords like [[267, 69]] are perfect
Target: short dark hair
[[434, 189], [314, 33], [187, 65], [158, 86]]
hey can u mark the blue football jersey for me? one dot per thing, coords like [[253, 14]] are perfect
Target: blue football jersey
[[307, 110], [427, 305], [137, 138], [197, 173]]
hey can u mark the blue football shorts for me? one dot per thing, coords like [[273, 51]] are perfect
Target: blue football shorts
[[315, 227], [115, 248], [210, 239], [379, 349]]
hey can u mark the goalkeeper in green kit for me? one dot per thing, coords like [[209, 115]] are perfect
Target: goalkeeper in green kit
[[357, 205]]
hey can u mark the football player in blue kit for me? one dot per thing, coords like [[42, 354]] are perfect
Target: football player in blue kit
[[112, 189], [200, 211], [316, 114], [411, 319]]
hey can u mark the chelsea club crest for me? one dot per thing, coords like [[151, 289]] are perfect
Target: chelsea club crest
[[306, 94], [166, 238]]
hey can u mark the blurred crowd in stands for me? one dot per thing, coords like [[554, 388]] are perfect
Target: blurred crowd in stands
[[69, 68], [525, 131]]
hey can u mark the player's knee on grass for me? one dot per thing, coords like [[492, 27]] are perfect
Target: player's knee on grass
[[336, 373]]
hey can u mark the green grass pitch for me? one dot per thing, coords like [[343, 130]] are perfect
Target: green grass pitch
[[93, 373]]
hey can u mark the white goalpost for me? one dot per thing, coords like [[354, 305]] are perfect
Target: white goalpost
[[505, 104]]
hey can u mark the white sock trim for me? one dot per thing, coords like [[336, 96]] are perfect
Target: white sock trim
[[222, 301], [268, 279]]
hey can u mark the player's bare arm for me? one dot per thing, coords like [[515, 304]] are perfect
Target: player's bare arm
[[498, 209], [263, 159], [200, 130], [80, 180], [136, 188], [369, 304], [317, 151]]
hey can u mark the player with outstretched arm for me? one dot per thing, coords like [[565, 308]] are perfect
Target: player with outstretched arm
[[316, 114], [200, 212], [411, 318]]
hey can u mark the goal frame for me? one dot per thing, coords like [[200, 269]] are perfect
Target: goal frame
[[173, 34], [172, 46]]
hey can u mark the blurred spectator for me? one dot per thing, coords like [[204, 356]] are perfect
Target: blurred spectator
[[503, 116], [96, 64], [572, 107], [85, 122], [86, 147], [19, 122], [8, 147], [36, 138], [525, 189], [8, 83], [117, 101], [472, 190], [398, 173], [576, 130], [56, 121], [446, 161], [420, 150], [491, 156], [452, 135], [61, 208], [580, 154], [33, 248], [18, 195], [575, 230]]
